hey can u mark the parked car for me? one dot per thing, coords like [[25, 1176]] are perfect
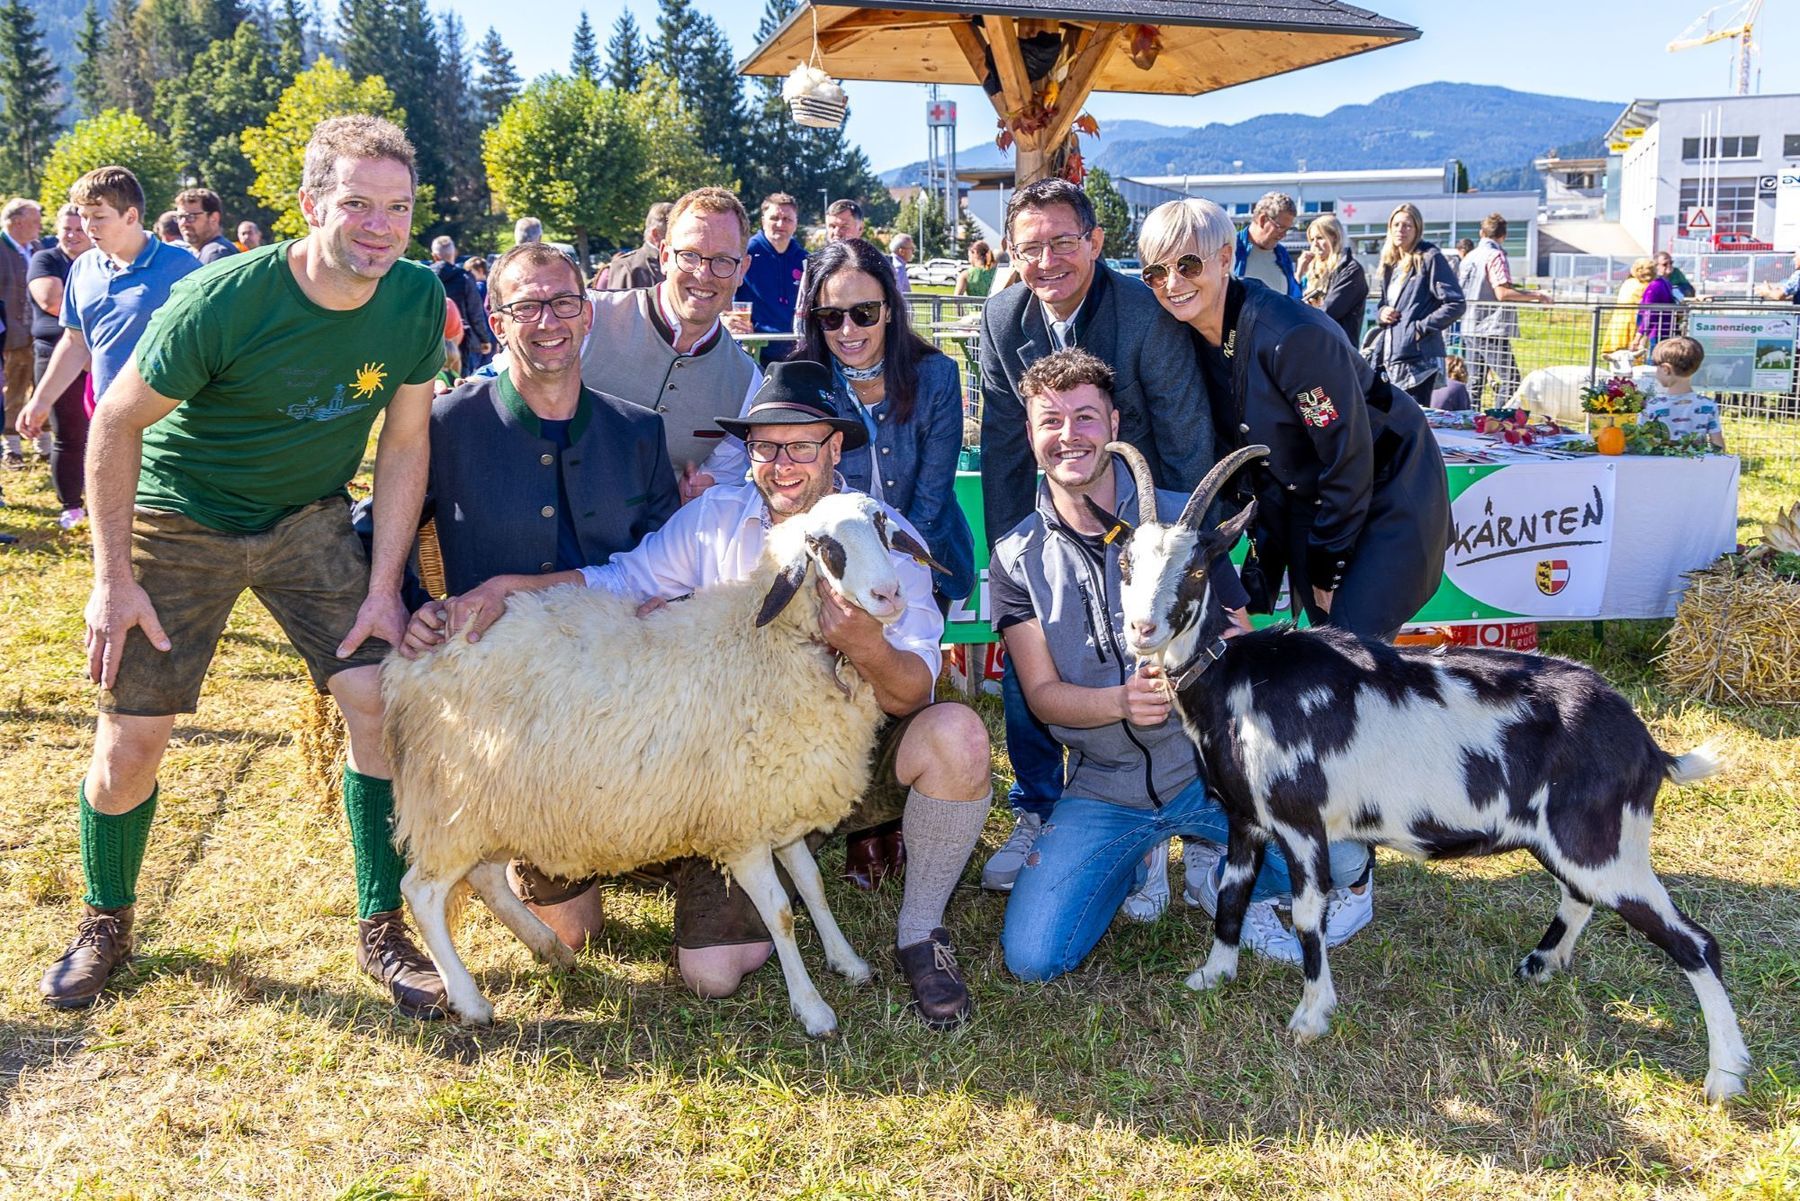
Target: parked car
[[940, 272], [1739, 241]]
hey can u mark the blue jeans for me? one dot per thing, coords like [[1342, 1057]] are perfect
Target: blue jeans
[[1037, 758], [1084, 864]]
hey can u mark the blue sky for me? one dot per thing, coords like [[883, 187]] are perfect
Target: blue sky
[[1594, 49]]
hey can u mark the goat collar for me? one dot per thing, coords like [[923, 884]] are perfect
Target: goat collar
[[1197, 663]]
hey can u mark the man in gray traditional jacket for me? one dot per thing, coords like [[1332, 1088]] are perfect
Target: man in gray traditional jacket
[[666, 349]]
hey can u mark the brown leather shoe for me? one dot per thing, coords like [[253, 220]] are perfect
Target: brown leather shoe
[[938, 990], [872, 855], [386, 952], [102, 944]]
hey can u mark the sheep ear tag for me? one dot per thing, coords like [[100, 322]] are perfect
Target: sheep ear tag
[[786, 586], [906, 544]]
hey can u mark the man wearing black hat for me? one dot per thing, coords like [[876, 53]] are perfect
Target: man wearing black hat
[[932, 762]]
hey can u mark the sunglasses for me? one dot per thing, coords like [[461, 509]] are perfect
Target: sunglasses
[[865, 314], [1189, 266]]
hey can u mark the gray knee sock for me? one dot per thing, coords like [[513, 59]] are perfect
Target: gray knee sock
[[940, 837]]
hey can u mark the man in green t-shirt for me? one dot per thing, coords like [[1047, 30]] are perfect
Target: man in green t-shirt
[[234, 429]]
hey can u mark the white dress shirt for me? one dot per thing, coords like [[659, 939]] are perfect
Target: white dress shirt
[[719, 537]]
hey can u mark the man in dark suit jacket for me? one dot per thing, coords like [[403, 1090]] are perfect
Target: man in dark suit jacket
[[23, 221], [1069, 297]]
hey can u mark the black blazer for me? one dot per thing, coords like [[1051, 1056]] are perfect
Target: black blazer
[[1346, 294], [1157, 389]]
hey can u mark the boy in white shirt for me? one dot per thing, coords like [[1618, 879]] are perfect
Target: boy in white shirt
[[1676, 404]]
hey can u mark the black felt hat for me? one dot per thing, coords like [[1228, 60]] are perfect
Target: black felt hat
[[797, 393]]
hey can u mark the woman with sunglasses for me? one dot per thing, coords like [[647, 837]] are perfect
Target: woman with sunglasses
[[908, 395], [1352, 501]]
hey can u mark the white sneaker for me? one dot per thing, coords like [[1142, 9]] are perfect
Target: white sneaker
[[1347, 911], [1151, 900], [1003, 869], [1202, 863], [1265, 934], [72, 517]]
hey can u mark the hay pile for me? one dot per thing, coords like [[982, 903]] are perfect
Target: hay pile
[[1735, 634]]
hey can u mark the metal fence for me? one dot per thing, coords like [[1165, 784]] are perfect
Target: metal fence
[[1730, 275], [1550, 355], [1557, 350]]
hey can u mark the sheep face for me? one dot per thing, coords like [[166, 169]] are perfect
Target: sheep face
[[847, 537]]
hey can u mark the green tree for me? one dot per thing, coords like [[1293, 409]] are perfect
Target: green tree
[[397, 41], [126, 64], [1111, 211], [932, 233], [90, 45], [112, 138], [573, 155], [277, 147], [675, 163], [290, 39], [626, 59], [498, 82], [232, 87], [28, 87], [464, 198], [584, 54]]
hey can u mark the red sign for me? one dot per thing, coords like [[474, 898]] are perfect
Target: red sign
[[940, 112]]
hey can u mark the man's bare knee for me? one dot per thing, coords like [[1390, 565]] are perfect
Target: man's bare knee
[[715, 972], [946, 754], [357, 692], [127, 752]]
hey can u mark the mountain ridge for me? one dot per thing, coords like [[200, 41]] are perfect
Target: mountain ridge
[[1495, 131]]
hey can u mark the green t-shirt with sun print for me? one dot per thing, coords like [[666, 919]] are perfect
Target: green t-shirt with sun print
[[277, 394]]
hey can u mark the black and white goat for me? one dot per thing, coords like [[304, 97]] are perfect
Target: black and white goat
[[1317, 735]]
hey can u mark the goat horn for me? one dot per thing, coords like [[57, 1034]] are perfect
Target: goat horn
[[1210, 487], [1140, 471]]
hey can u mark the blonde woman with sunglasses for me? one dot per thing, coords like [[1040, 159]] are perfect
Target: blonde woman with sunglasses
[[1335, 282], [1352, 501]]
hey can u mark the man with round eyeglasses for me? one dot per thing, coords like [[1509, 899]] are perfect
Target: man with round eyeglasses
[[665, 348]]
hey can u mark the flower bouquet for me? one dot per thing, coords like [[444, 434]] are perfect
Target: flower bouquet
[[1610, 402]]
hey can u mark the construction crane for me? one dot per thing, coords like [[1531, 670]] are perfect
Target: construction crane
[[1739, 24]]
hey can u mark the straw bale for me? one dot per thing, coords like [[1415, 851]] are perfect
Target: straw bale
[[1736, 637]]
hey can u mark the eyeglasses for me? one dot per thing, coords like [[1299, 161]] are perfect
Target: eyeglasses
[[722, 266], [1061, 246], [567, 305], [1188, 266], [865, 314], [797, 452], [184, 218]]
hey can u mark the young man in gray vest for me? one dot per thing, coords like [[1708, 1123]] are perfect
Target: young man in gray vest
[[1489, 328], [665, 348]]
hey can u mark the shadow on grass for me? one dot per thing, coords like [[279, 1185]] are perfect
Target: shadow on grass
[[26, 1046]]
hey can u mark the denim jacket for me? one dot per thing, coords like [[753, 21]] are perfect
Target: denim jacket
[[918, 468]]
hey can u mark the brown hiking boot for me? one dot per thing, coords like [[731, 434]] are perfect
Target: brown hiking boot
[[102, 943], [938, 990], [386, 952]]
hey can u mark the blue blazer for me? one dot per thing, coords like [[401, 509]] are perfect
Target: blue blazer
[[918, 468]]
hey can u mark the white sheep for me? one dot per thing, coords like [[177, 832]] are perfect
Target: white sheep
[[585, 739]]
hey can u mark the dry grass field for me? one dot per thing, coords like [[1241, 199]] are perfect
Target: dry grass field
[[242, 1054]]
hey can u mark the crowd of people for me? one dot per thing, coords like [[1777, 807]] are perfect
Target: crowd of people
[[613, 432]]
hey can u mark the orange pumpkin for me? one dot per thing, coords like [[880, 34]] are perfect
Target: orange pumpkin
[[1610, 441]]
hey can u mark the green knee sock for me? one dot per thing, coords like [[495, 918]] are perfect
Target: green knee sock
[[369, 804], [112, 851]]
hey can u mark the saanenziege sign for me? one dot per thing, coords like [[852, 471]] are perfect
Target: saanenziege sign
[[1534, 540]]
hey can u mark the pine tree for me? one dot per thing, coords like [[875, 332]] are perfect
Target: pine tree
[[498, 82], [290, 40], [625, 56], [126, 69], [693, 51], [28, 87], [233, 87], [465, 197], [90, 79], [584, 57], [1111, 212]]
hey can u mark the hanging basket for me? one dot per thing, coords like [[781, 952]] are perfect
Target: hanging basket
[[814, 99]]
